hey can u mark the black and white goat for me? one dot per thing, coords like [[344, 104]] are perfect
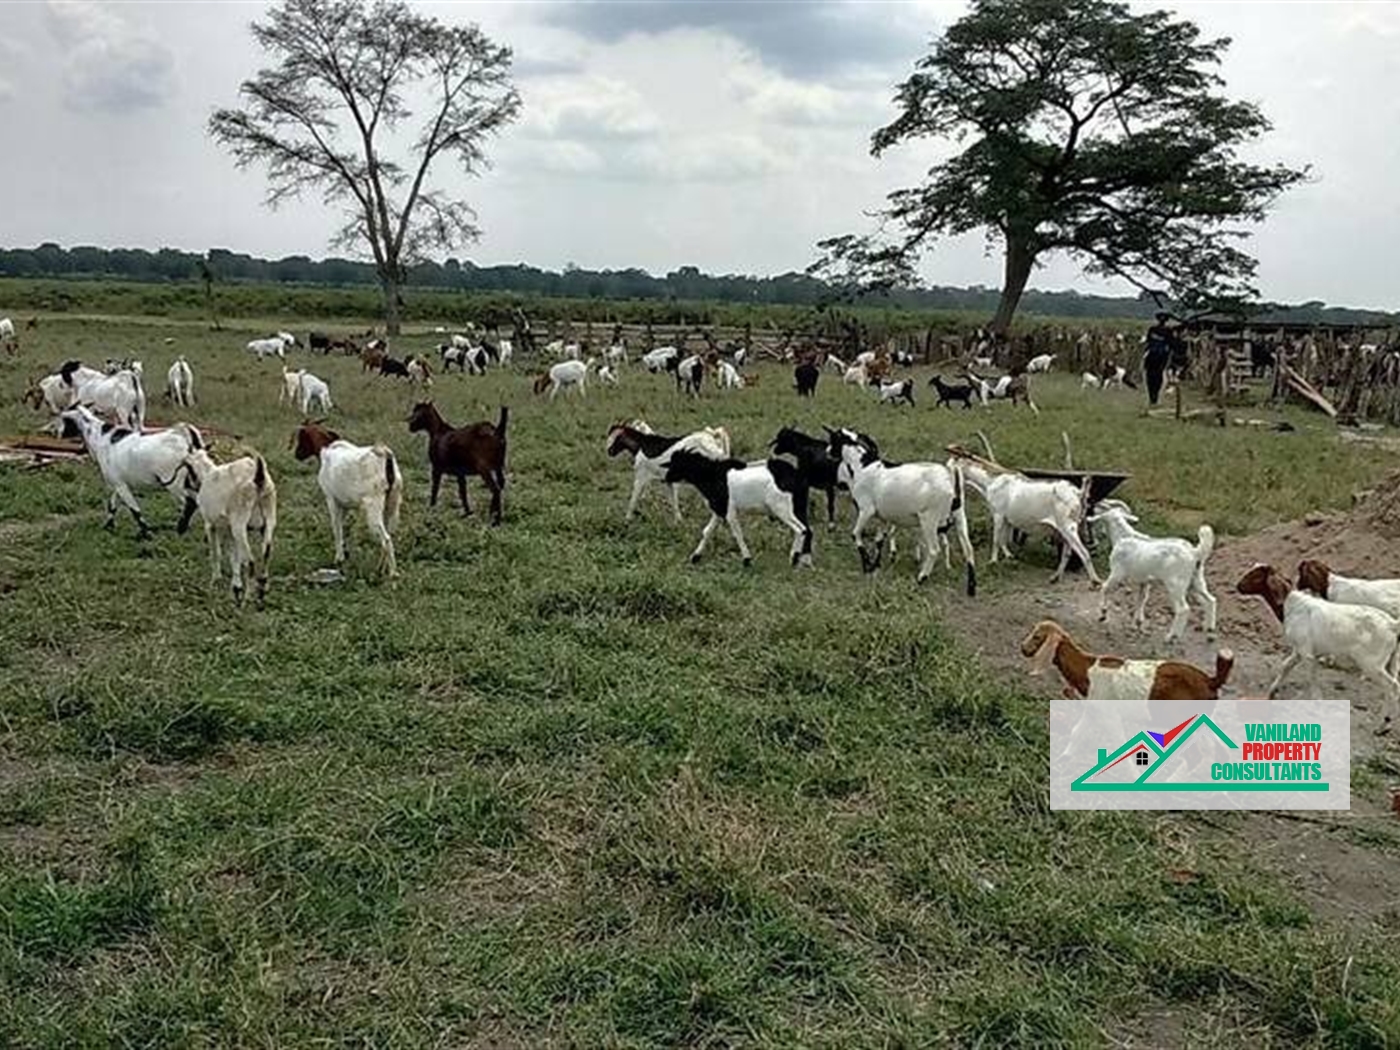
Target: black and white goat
[[651, 455], [815, 462], [731, 485], [130, 460]]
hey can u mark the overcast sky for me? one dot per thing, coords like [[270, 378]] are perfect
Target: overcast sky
[[729, 136]]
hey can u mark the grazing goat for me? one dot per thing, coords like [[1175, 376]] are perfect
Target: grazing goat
[[1318, 578], [476, 450], [1040, 363], [727, 377], [373, 356], [662, 359], [1019, 502], [651, 455], [1089, 381], [120, 394], [731, 485], [690, 374], [274, 346], [814, 461], [231, 499], [389, 366], [179, 383], [896, 393], [313, 390], [856, 375], [805, 378], [1314, 627], [1113, 678], [353, 476], [61, 389], [418, 371], [606, 375], [565, 375], [930, 495], [1141, 560], [950, 392], [131, 460]]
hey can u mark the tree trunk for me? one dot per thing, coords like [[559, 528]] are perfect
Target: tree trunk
[[389, 284], [1019, 260]]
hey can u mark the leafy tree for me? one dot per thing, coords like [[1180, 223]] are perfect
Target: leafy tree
[[1087, 129], [324, 117]]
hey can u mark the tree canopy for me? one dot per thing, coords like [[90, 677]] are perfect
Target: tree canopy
[[326, 118], [1086, 129]]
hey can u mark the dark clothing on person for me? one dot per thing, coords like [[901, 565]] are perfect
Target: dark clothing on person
[[1164, 348]]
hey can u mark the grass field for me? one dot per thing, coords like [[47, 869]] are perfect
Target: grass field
[[557, 787]]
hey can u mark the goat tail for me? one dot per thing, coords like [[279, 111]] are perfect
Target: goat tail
[[1224, 663], [259, 474], [140, 406], [960, 523], [1205, 544], [501, 422], [393, 490]]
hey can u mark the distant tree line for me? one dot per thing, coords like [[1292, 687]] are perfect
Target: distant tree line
[[686, 284]]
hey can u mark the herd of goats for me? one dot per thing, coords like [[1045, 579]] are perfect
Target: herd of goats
[[1324, 615]]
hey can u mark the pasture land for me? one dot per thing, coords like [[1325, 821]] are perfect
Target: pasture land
[[557, 787]]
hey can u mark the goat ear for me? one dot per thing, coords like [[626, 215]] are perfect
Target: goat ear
[[1044, 657]]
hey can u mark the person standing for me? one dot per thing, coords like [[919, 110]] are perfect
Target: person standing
[[1163, 345]]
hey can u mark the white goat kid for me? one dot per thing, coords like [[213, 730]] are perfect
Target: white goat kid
[[231, 499], [727, 377], [929, 495], [120, 394], [1040, 363], [314, 390], [1019, 502], [569, 375], [131, 461], [179, 383], [271, 347], [607, 376], [1142, 560], [290, 389]]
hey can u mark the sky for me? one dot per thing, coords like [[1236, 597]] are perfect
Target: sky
[[726, 135]]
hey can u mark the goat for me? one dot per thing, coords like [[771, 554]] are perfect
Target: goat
[[616, 354], [418, 371], [1316, 577], [727, 377], [452, 355], [856, 375], [179, 383], [231, 499], [1089, 381], [564, 376], [836, 364], [1019, 502], [805, 378], [289, 392], [7, 331], [120, 394], [313, 390], [1041, 363], [607, 376], [318, 341], [287, 338], [504, 352], [354, 476], [389, 366], [478, 449], [651, 455], [1014, 388], [814, 461], [131, 460], [61, 389], [1113, 678], [690, 375], [273, 346], [950, 392], [895, 393], [731, 485], [372, 356], [1142, 560], [662, 359], [1314, 627], [928, 494]]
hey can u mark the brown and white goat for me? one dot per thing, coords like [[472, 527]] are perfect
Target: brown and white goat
[[354, 476], [1102, 677]]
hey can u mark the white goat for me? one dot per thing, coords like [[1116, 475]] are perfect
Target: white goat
[[290, 389], [1141, 560], [836, 364], [179, 383], [607, 376], [1314, 627], [1019, 502], [727, 377], [130, 460], [1040, 363], [231, 499], [930, 495], [731, 485], [660, 359], [651, 455], [892, 393], [354, 476], [505, 351], [616, 354], [288, 339], [740, 356], [7, 331], [564, 376], [1089, 381], [856, 376], [461, 342], [274, 346], [120, 394], [60, 390], [313, 389], [1317, 577], [419, 373]]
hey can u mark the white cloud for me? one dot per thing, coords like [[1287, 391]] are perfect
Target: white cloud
[[720, 157], [109, 65], [771, 96], [587, 107]]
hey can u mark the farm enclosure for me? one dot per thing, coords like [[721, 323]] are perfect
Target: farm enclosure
[[557, 787]]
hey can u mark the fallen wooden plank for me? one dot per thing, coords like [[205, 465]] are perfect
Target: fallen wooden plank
[[1307, 392]]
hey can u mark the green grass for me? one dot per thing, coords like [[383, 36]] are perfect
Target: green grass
[[556, 787]]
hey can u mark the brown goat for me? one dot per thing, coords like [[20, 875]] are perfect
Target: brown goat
[[372, 359], [478, 449]]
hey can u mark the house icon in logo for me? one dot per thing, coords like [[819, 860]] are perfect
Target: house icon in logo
[[1173, 761]]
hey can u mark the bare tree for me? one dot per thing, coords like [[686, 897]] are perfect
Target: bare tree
[[324, 117]]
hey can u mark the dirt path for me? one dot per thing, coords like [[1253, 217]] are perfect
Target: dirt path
[[1342, 864]]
